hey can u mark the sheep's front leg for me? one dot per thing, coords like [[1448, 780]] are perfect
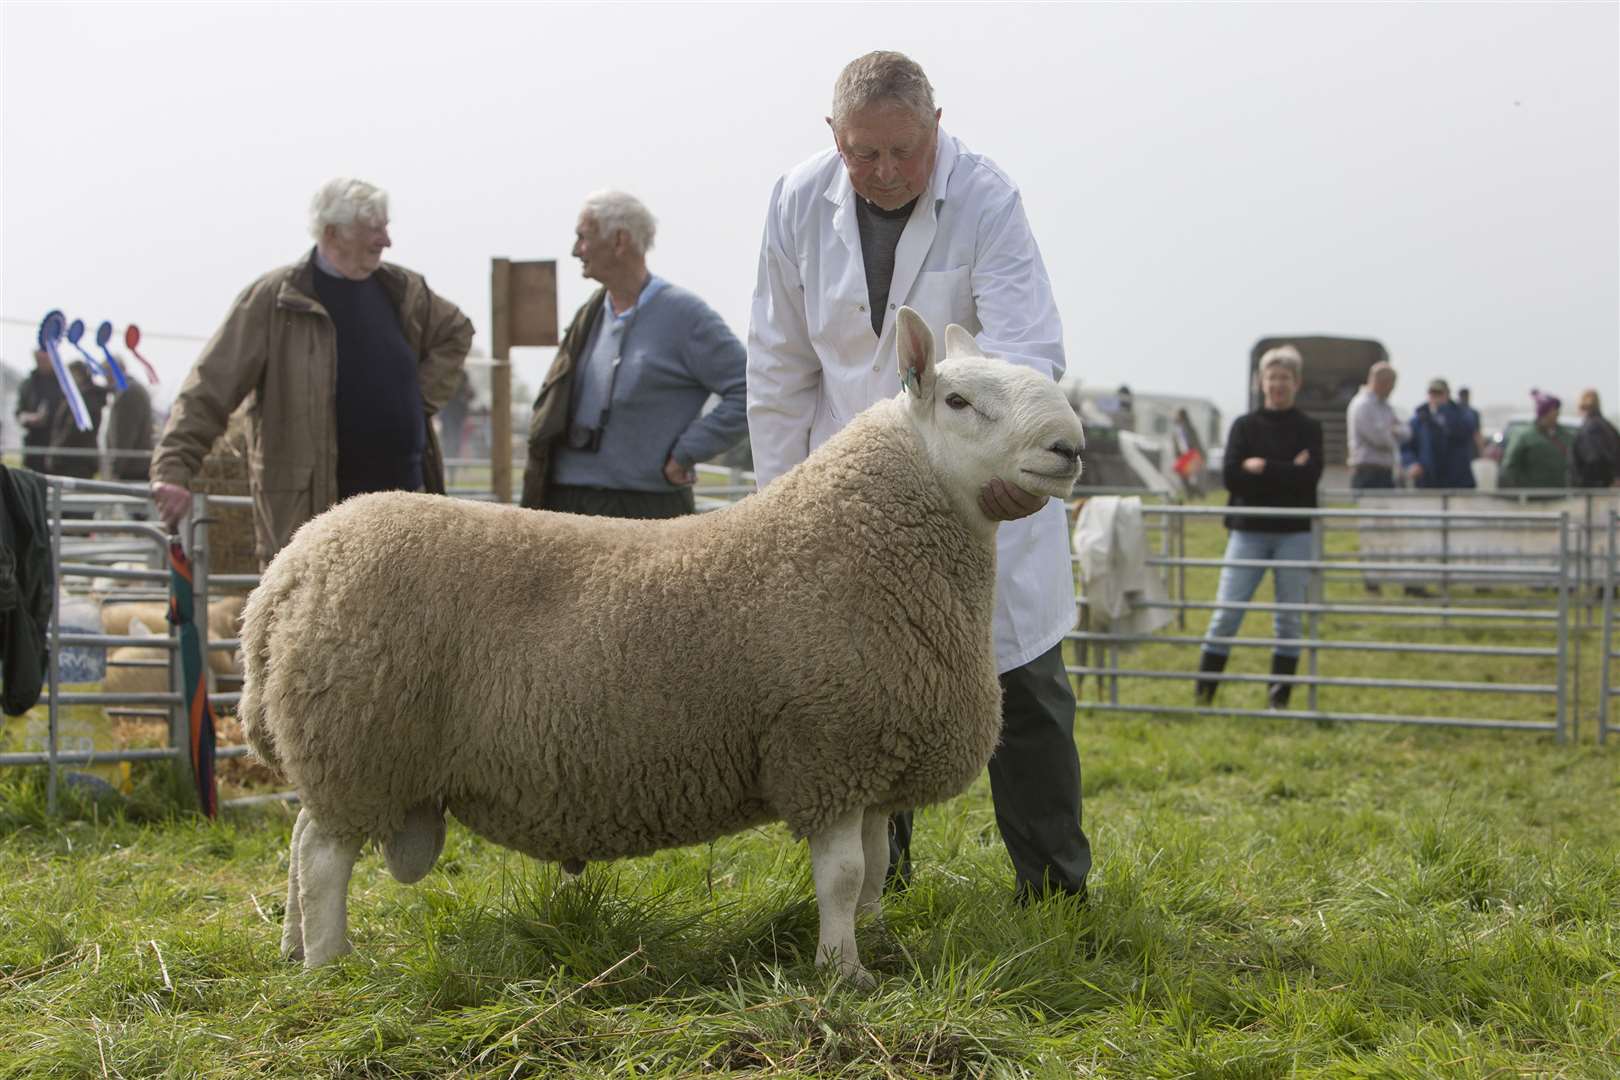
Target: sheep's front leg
[[875, 849], [838, 865], [292, 922], [324, 864]]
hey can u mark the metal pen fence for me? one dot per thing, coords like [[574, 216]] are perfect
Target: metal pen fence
[[1607, 685], [93, 523], [1541, 607]]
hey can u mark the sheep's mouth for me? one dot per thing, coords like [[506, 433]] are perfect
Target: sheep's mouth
[[1066, 474]]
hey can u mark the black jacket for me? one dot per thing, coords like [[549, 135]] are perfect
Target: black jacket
[[27, 588], [1277, 437], [1597, 453]]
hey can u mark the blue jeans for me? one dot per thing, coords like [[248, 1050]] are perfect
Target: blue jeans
[[1238, 584]]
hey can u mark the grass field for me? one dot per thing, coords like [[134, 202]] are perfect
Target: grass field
[[1271, 898]]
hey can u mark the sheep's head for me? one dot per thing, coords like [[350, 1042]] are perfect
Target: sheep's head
[[981, 418]]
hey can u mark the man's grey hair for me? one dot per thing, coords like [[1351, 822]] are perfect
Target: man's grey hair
[[1286, 357], [344, 201], [1380, 370], [616, 211], [880, 77]]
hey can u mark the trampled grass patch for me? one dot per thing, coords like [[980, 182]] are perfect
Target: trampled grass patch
[[1270, 899]]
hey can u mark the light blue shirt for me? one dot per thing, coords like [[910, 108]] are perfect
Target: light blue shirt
[[672, 351]]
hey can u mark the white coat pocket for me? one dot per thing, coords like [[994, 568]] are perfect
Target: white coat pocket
[[944, 296]]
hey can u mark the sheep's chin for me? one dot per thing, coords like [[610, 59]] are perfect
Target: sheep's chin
[[1055, 485]]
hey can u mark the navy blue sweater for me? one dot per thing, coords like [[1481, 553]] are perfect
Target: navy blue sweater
[[381, 426]]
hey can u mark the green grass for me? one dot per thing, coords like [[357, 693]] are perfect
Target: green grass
[[1271, 898]]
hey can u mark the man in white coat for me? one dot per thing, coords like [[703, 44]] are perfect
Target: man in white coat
[[896, 213]]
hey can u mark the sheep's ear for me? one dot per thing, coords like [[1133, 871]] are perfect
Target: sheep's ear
[[914, 345], [958, 342]]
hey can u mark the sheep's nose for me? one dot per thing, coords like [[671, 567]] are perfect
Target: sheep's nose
[[1066, 449]]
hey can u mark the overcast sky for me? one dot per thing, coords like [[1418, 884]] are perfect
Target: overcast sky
[[1443, 177]]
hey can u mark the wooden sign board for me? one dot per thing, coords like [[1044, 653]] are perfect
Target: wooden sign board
[[532, 300]]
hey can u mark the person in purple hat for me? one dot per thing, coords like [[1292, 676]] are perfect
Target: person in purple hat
[[1538, 456]]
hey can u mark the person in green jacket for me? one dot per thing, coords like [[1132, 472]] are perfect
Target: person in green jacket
[[1538, 456]]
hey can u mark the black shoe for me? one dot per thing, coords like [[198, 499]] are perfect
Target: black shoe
[[1277, 693], [1204, 689], [1418, 591], [1026, 894]]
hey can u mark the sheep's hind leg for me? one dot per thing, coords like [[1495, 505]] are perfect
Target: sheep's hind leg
[[292, 921], [875, 849], [325, 862], [411, 852], [838, 866]]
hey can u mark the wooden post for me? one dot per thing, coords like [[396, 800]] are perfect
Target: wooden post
[[523, 310], [500, 381]]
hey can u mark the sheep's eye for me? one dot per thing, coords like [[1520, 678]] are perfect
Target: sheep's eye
[[957, 401]]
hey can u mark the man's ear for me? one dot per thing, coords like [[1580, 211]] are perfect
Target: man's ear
[[914, 349]]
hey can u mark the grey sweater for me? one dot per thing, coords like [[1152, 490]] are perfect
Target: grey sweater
[[675, 352]]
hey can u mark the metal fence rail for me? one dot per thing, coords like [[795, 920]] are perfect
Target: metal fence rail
[[1607, 688], [1554, 573], [1579, 558]]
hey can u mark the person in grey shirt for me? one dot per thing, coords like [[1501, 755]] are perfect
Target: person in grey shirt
[[1374, 430], [618, 427]]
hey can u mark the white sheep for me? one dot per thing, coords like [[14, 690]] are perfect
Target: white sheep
[[583, 688]]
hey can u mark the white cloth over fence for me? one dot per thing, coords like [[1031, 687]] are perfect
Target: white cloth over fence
[[1112, 545]]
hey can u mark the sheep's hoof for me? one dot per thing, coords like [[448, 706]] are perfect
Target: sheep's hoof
[[315, 958], [858, 976]]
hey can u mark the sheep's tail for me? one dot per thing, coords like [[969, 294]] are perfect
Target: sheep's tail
[[257, 618]]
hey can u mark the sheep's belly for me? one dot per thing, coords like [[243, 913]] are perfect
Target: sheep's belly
[[628, 827]]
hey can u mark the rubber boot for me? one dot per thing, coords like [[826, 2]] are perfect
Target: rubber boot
[[1204, 689], [1277, 693]]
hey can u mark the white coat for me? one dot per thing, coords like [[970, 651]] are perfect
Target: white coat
[[966, 256]]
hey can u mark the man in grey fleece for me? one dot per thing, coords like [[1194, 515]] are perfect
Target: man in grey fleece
[[1374, 430], [618, 427]]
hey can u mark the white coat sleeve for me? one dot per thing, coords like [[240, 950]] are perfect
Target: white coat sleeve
[[1017, 313], [784, 372]]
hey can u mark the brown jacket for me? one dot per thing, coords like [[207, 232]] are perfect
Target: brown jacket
[[277, 353], [549, 421]]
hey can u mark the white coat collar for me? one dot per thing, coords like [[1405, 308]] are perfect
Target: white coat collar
[[914, 242]]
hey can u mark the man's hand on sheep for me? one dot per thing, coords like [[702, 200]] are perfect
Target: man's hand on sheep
[[173, 502], [678, 474], [1002, 501]]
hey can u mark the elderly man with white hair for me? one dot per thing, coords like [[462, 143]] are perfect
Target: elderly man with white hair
[[342, 359], [897, 212], [618, 427], [1273, 457]]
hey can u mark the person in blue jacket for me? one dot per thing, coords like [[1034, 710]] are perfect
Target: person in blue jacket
[[1442, 443]]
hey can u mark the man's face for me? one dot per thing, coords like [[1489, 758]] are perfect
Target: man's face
[[42, 360], [356, 249], [595, 252], [1383, 385], [1437, 397], [889, 152]]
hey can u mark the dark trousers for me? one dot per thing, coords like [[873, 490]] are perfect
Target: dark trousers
[[612, 502], [1371, 477], [1034, 783]]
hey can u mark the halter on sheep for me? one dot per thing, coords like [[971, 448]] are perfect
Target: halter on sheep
[[543, 693]]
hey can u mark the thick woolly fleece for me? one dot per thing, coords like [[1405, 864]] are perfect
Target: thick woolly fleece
[[584, 688]]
